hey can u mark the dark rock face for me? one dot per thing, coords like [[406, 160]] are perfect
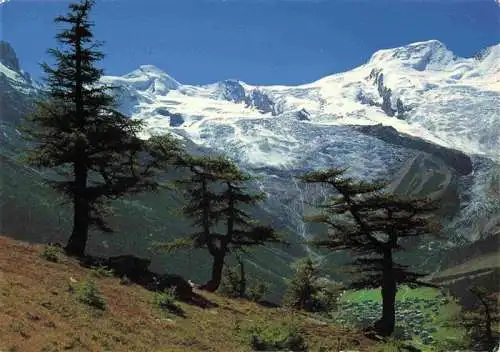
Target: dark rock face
[[401, 109], [454, 158], [8, 56], [260, 101], [366, 100], [303, 115], [232, 90], [16, 95], [176, 120]]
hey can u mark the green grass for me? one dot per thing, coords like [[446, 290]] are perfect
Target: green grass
[[404, 292], [427, 319]]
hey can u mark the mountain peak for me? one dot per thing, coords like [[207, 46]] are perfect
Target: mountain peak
[[153, 79], [430, 54], [8, 56]]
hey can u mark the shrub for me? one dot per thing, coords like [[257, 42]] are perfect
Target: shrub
[[87, 292], [308, 291], [277, 338], [302, 288], [233, 286], [230, 285], [51, 253], [257, 291], [326, 297], [166, 300], [101, 271], [124, 280]]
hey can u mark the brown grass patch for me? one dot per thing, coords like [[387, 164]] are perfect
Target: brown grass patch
[[38, 312]]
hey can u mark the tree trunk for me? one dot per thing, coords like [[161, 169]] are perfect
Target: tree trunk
[[243, 279], [78, 239], [385, 326], [217, 267]]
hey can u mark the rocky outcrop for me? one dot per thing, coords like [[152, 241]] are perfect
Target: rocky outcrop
[[261, 101], [387, 97], [454, 158], [231, 90], [303, 115], [8, 56], [176, 120]]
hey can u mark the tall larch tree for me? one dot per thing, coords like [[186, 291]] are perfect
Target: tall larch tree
[[372, 224], [219, 204], [77, 132]]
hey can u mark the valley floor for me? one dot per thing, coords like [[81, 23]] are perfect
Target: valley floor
[[39, 311]]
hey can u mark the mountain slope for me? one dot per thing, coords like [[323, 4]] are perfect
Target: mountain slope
[[417, 116]]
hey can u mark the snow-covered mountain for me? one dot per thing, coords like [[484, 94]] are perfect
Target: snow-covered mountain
[[421, 89], [16, 87], [416, 115], [447, 103]]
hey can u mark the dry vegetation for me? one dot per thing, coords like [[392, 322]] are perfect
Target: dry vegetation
[[39, 311]]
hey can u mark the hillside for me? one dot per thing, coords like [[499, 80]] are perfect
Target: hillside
[[39, 311]]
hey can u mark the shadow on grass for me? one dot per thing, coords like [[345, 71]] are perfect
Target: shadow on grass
[[136, 270]]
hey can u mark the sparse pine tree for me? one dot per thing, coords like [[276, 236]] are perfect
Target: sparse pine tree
[[371, 224], [303, 285], [481, 322], [77, 132], [218, 203]]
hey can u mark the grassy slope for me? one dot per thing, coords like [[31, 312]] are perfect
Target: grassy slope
[[38, 312]]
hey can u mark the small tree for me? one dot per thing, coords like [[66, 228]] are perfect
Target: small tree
[[78, 133], [302, 287], [308, 290], [371, 224], [218, 203], [481, 321]]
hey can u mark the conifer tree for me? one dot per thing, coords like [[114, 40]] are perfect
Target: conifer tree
[[77, 132], [303, 286], [371, 224], [481, 321], [218, 202]]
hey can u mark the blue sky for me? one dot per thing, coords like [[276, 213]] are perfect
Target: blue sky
[[257, 41]]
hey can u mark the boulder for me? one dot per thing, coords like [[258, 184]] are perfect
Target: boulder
[[128, 265]]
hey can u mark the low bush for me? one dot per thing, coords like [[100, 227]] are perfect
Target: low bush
[[308, 291], [124, 280], [166, 300], [51, 253], [233, 285], [230, 285], [101, 271], [257, 292], [88, 293], [277, 337]]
